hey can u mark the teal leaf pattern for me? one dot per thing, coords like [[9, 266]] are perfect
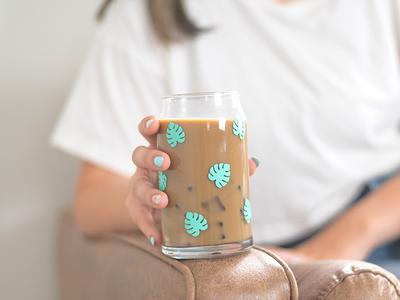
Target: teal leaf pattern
[[195, 223], [220, 174], [175, 134], [247, 210], [162, 181], [239, 128]]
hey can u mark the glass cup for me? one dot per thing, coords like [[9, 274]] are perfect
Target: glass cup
[[209, 211]]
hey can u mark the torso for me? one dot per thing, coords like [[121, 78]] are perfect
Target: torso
[[319, 82]]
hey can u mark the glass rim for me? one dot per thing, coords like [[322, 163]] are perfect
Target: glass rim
[[200, 94]]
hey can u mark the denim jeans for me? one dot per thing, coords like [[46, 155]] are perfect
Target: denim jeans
[[387, 255]]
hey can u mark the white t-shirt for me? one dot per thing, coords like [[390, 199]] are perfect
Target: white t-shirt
[[319, 83]]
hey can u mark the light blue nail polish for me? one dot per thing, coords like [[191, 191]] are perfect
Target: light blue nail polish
[[151, 240], [158, 161], [256, 161], [149, 123]]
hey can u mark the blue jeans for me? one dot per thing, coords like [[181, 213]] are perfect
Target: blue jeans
[[386, 256]]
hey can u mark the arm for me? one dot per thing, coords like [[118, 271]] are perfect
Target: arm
[[107, 202], [100, 201], [369, 223], [381, 211]]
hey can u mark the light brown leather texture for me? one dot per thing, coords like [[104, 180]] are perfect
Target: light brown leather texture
[[127, 267], [254, 275], [345, 280]]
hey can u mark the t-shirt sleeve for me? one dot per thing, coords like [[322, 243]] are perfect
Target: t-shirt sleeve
[[120, 82]]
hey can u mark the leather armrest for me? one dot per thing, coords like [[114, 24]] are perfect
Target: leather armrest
[[126, 267], [345, 280]]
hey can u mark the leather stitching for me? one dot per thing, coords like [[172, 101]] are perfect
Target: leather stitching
[[294, 294], [187, 273], [325, 294]]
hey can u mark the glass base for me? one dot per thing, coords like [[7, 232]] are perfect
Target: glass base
[[199, 252]]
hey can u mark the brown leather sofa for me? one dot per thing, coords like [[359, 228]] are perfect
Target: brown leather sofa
[[127, 267]]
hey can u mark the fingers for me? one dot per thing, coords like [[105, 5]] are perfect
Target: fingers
[[141, 203], [253, 165], [147, 225], [145, 222], [152, 159], [148, 195], [148, 127]]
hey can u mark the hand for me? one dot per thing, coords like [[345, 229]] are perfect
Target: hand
[[349, 237], [145, 201], [346, 238], [313, 250]]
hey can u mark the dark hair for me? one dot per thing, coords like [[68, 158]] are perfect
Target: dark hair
[[168, 17]]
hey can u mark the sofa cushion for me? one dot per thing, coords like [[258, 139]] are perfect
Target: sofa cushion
[[125, 266], [344, 280]]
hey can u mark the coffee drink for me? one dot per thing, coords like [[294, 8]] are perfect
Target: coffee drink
[[209, 209], [208, 176]]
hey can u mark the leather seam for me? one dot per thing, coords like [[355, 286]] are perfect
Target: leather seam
[[324, 295], [175, 264], [288, 272]]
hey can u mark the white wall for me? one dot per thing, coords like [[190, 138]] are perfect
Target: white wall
[[42, 44]]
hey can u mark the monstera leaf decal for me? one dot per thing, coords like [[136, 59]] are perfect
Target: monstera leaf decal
[[239, 128], [247, 210], [220, 173], [195, 223], [175, 134], [162, 181]]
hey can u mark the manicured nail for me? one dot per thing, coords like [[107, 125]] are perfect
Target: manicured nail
[[151, 240], [256, 161], [158, 161], [156, 199], [149, 123]]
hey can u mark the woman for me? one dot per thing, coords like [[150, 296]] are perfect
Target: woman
[[319, 82]]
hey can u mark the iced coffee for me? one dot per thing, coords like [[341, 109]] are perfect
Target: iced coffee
[[207, 183]]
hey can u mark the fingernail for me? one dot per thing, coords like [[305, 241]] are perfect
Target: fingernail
[[156, 199], [149, 123], [256, 161], [158, 161], [151, 240]]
